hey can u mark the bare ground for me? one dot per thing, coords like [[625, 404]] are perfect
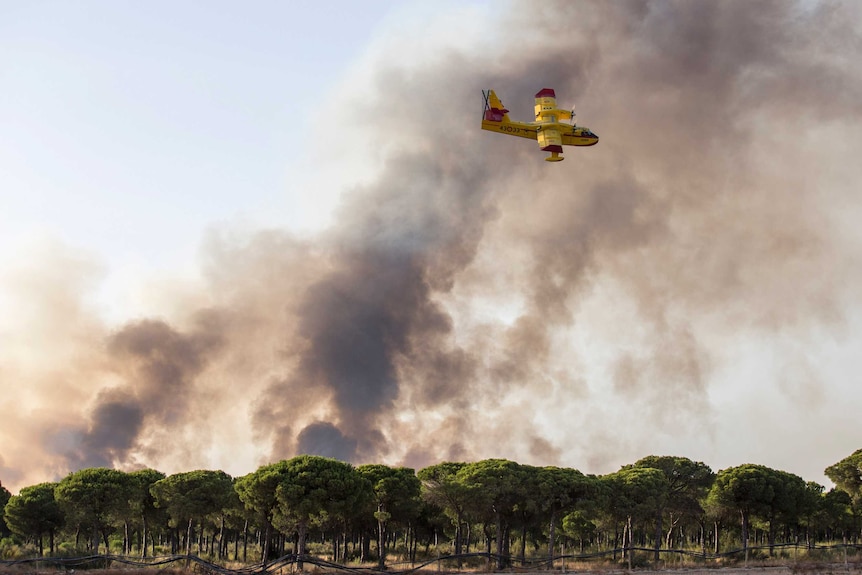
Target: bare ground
[[802, 568]]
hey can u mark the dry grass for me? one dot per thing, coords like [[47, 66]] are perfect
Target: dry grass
[[753, 568], [32, 569]]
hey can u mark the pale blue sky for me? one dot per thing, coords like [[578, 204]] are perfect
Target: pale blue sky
[[128, 127]]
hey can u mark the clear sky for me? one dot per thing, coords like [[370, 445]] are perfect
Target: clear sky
[[128, 128], [233, 232]]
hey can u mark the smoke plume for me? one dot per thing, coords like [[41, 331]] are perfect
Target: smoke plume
[[471, 300]]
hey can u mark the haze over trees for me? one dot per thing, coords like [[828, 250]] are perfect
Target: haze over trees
[[396, 500], [847, 476], [511, 512], [93, 500], [33, 513], [4, 498], [191, 498]]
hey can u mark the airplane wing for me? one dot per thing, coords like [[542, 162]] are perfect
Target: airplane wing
[[519, 129]]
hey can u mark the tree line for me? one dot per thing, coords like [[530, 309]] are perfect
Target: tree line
[[311, 505]]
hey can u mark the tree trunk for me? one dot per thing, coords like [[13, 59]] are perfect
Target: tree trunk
[[222, 546], [507, 540], [771, 537], [552, 531], [301, 530], [487, 543], [245, 542], [143, 535], [364, 547], [189, 537], [658, 536], [381, 544], [629, 540], [716, 548], [458, 521], [267, 536], [524, 543], [498, 524], [188, 544], [624, 540]]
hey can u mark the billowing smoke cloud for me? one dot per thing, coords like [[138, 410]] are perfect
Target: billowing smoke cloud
[[158, 367], [474, 301]]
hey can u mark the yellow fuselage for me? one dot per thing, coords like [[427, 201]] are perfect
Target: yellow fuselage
[[571, 135]]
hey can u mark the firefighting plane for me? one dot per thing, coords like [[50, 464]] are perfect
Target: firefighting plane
[[549, 129]]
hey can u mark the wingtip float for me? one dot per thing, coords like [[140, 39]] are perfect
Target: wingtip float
[[550, 128]]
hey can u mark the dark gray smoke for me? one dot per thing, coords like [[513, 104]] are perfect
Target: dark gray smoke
[[326, 440], [115, 423], [157, 366], [375, 307]]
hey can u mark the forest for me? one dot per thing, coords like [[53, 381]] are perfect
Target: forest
[[495, 510]]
